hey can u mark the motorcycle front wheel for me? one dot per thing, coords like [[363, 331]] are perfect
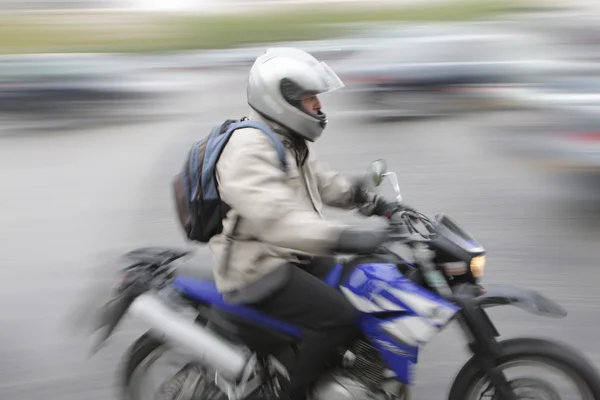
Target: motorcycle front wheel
[[472, 383]]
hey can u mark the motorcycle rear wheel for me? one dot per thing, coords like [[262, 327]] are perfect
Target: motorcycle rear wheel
[[135, 380], [146, 349], [558, 355]]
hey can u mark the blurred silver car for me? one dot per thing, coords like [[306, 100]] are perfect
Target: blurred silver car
[[559, 125], [433, 70], [66, 84]]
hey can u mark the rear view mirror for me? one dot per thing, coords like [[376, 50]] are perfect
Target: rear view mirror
[[378, 171]]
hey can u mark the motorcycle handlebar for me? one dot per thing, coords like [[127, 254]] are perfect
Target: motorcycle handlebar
[[403, 228]]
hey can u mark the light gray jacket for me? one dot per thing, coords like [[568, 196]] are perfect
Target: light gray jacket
[[281, 212]]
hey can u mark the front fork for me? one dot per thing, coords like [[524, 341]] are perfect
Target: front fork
[[481, 334], [477, 326]]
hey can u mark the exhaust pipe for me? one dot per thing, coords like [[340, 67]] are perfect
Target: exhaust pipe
[[203, 345]]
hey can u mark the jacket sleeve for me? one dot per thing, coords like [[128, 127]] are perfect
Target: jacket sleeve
[[337, 191], [253, 184]]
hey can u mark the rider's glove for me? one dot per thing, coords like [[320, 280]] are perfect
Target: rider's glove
[[361, 241], [383, 207], [360, 190]]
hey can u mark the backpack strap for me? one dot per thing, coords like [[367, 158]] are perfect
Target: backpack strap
[[216, 143], [277, 143]]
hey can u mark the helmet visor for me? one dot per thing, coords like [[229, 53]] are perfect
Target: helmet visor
[[330, 80], [322, 80]]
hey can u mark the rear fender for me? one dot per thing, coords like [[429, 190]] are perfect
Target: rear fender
[[157, 256], [526, 299], [148, 268]]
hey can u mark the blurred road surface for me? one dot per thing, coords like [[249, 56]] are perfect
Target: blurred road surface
[[71, 198]]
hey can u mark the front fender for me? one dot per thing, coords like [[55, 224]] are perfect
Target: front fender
[[526, 299]]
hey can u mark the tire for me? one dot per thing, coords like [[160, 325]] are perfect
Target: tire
[[137, 353], [558, 354]]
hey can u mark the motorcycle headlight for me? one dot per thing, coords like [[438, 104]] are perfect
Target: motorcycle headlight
[[477, 266]]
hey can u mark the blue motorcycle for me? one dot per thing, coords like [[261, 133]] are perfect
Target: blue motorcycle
[[226, 351]]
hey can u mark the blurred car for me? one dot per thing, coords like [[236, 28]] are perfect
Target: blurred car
[[59, 84], [564, 145], [436, 70], [570, 87], [559, 124]]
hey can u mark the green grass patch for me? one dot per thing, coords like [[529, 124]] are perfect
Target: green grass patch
[[126, 32]]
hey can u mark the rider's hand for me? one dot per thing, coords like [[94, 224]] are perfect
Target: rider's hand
[[361, 241], [361, 190]]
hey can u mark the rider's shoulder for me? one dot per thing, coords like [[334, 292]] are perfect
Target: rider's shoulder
[[248, 140]]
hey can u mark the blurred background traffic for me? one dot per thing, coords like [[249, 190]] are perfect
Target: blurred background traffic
[[488, 110]]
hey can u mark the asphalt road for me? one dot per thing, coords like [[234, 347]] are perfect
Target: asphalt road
[[72, 198]]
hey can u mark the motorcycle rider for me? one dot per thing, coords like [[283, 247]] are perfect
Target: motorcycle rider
[[271, 261]]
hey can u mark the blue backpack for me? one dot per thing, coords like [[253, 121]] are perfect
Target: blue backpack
[[199, 206]]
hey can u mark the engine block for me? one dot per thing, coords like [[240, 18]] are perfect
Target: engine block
[[360, 378], [365, 364]]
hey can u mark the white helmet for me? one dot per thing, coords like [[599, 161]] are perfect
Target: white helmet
[[279, 80]]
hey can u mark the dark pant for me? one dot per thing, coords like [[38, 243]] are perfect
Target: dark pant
[[328, 319]]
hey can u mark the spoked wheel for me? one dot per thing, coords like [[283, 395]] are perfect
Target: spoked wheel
[[549, 386], [154, 372], [529, 388], [190, 383], [560, 374]]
